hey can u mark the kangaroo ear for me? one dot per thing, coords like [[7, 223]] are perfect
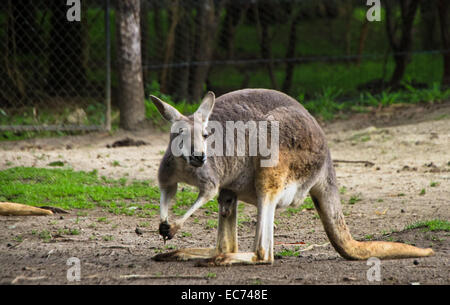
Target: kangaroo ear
[[206, 107], [168, 112]]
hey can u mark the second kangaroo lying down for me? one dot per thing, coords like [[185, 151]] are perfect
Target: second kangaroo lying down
[[304, 166]]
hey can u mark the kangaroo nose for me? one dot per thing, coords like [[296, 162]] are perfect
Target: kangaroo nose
[[197, 159]]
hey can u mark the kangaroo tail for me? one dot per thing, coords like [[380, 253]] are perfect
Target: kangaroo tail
[[325, 196]]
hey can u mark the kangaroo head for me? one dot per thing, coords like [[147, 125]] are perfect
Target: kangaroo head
[[188, 134]]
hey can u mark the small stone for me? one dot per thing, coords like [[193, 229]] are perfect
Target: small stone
[[416, 262], [138, 231]]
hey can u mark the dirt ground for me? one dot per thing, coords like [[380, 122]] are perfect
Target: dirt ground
[[409, 146]]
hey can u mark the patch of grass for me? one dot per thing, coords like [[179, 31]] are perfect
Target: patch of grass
[[211, 275], [68, 232], [441, 117], [186, 234], [70, 189], [242, 219], [211, 223], [115, 163], [18, 238], [103, 219], [431, 225], [289, 252], [108, 238], [330, 102], [45, 235], [434, 184], [354, 199], [56, 163], [307, 205], [422, 192]]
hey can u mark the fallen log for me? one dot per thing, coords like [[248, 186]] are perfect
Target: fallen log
[[17, 209]]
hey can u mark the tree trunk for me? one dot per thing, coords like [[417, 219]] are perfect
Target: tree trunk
[[401, 47], [129, 64], [235, 13], [169, 45], [206, 29], [290, 53], [145, 38], [24, 23], [362, 40], [159, 39], [429, 20], [445, 36], [263, 28], [179, 75], [67, 47]]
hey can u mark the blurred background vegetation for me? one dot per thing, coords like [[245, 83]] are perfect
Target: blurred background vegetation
[[324, 53]]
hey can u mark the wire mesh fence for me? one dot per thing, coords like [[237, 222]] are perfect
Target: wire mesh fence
[[299, 47], [54, 73]]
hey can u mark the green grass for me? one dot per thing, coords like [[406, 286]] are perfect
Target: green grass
[[211, 275], [326, 103], [211, 223], [431, 225], [70, 189], [354, 199], [307, 205], [289, 252]]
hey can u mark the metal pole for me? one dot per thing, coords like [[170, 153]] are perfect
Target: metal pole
[[108, 68]]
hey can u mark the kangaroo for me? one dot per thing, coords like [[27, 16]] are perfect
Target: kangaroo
[[304, 166]]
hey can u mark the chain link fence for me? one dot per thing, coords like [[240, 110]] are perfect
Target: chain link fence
[[54, 74], [301, 47], [52, 70]]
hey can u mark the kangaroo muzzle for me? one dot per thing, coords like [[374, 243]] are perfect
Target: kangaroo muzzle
[[197, 160]]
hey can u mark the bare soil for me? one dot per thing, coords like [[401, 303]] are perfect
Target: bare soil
[[409, 146]]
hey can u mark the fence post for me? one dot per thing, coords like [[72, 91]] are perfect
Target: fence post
[[108, 67]]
